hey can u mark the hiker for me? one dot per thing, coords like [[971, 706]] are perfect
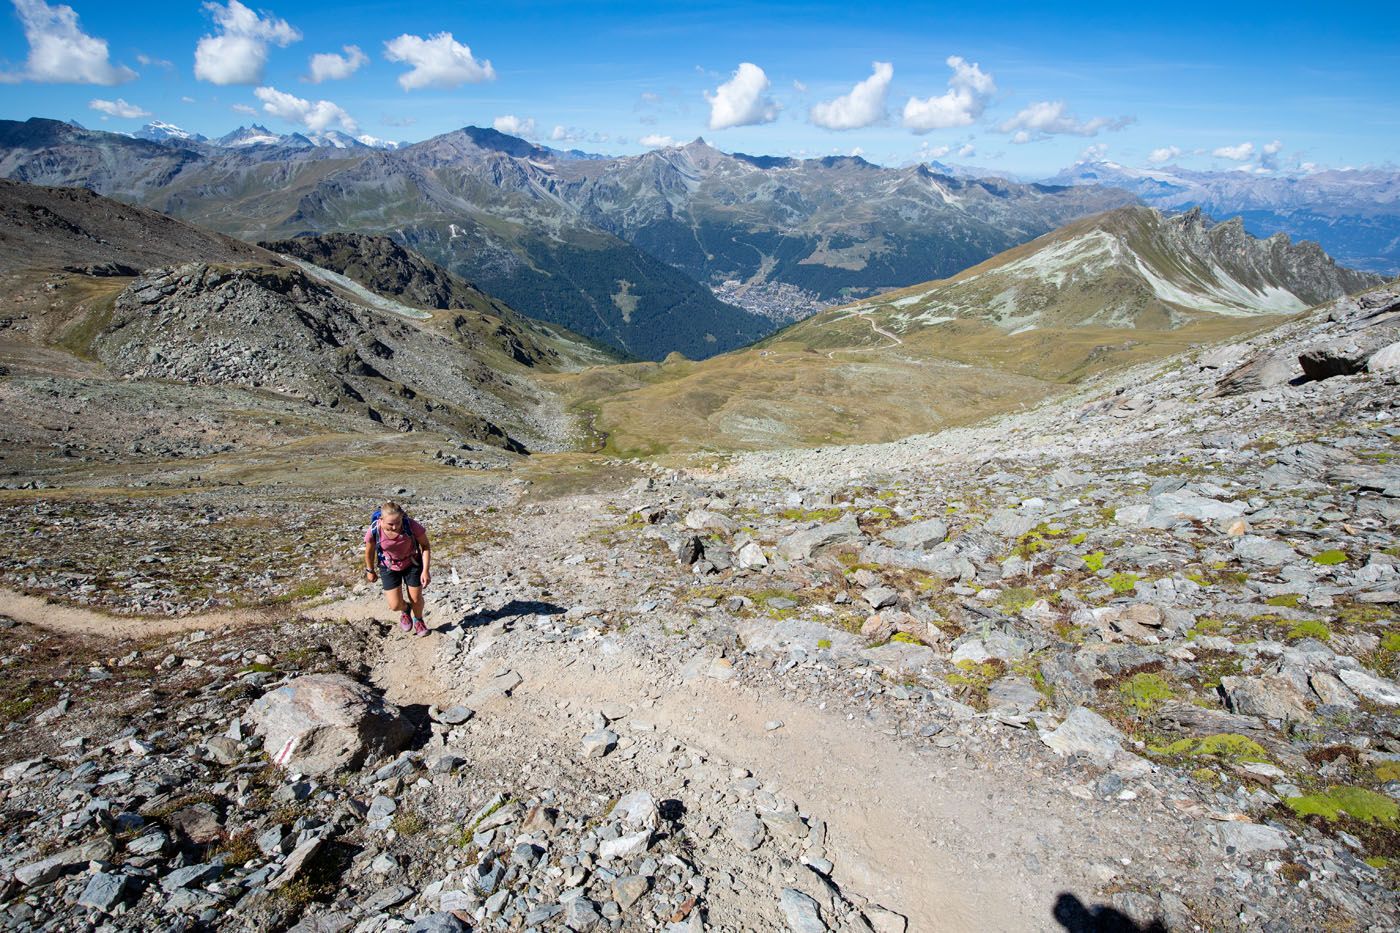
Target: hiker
[[397, 549]]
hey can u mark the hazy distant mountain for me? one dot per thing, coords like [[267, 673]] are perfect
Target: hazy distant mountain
[[255, 135], [1129, 268], [1353, 213]]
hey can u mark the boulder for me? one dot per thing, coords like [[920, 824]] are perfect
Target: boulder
[[1270, 696], [318, 723], [1085, 732], [1257, 374], [1385, 359], [1373, 688], [803, 544], [919, 535]]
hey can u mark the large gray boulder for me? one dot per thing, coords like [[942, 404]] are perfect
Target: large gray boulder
[[319, 723], [803, 544], [918, 535]]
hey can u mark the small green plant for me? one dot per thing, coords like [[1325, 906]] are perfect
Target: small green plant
[[1143, 692], [1285, 600], [1390, 641], [1123, 582], [1330, 558], [1015, 598], [1310, 628], [1079, 538], [1356, 802], [1226, 746], [823, 643], [409, 823], [904, 638], [1094, 561]]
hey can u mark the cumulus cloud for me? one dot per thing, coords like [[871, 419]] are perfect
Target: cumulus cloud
[[1268, 155], [1163, 155], [437, 61], [1047, 118], [656, 141], [742, 100], [1241, 153], [237, 52], [60, 52], [933, 152], [512, 125], [965, 150], [118, 108], [863, 106], [328, 66], [1093, 152], [317, 116], [968, 91]]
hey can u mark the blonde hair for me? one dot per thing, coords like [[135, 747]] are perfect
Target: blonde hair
[[390, 508]]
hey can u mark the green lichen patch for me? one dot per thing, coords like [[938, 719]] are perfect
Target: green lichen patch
[[1226, 746], [1144, 692], [1123, 582], [1095, 561], [1310, 628], [1285, 600], [1330, 558], [1355, 802], [1015, 598]]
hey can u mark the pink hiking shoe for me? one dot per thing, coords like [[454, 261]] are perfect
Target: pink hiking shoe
[[419, 628], [405, 621]]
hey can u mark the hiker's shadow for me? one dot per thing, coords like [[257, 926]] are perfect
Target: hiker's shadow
[[511, 610], [1076, 917]]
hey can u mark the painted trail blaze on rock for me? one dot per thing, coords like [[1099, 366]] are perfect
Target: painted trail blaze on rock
[[324, 722]]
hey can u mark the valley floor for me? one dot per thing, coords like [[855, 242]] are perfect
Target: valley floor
[[1125, 658]]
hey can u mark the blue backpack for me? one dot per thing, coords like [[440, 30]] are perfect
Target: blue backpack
[[408, 530]]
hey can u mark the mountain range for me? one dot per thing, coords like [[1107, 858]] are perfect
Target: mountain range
[[1353, 213], [621, 250]]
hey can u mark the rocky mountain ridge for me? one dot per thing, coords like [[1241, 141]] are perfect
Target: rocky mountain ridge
[[1131, 268], [1353, 213]]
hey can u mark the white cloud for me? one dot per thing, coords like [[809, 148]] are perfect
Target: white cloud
[[1046, 118], [655, 141], [799, 87], [1241, 153], [316, 117], [328, 66], [237, 53], [1268, 155], [438, 61], [967, 149], [149, 60], [60, 52], [933, 152], [561, 134], [118, 108], [863, 106], [1163, 155], [244, 108], [1273, 148], [512, 125], [968, 91], [1093, 152], [186, 99], [742, 100]]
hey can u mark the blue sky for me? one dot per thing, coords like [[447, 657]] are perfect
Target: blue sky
[[1021, 88]]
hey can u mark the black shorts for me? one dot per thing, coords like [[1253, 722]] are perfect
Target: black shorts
[[393, 579]]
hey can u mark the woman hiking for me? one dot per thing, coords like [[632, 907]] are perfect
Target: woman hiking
[[397, 549]]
